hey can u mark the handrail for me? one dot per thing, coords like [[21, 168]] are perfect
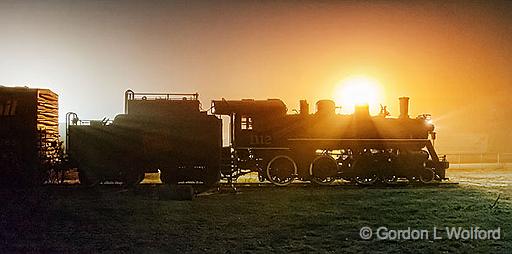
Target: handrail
[[130, 95], [88, 122], [169, 94], [71, 119]]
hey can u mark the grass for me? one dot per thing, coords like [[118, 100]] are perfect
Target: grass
[[293, 219]]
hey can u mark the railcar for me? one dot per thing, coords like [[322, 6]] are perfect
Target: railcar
[[29, 138], [164, 133]]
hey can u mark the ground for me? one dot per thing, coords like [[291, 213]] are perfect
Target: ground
[[292, 219]]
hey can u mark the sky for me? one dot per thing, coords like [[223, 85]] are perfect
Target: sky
[[452, 58]]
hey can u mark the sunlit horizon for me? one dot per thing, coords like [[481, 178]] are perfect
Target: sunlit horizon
[[452, 59]]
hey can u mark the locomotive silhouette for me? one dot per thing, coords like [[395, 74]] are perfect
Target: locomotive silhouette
[[169, 133]]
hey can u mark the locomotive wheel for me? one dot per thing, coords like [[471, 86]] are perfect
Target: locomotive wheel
[[427, 175], [281, 170], [323, 170], [365, 168]]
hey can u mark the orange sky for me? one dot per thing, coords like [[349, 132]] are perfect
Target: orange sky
[[452, 58]]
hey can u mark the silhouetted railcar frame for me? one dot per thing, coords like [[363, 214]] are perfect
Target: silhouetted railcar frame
[[159, 132], [29, 139], [170, 134]]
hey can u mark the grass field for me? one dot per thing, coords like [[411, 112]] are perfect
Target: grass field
[[293, 219]]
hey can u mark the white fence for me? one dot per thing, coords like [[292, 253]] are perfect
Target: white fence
[[480, 160]]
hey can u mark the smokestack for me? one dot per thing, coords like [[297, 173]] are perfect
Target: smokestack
[[362, 111], [404, 107], [304, 107], [326, 107]]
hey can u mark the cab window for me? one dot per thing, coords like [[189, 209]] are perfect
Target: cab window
[[246, 123]]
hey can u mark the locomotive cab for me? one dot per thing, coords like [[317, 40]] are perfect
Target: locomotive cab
[[252, 121]]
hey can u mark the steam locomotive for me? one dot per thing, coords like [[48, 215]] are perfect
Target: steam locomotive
[[326, 146], [170, 134]]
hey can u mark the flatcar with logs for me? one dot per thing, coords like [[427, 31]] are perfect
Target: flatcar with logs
[[29, 135], [171, 134]]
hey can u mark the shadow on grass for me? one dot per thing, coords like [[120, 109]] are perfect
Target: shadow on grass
[[72, 219]]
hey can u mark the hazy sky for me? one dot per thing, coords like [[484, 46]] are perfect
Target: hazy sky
[[454, 59]]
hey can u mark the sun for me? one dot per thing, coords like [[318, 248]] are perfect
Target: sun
[[358, 90]]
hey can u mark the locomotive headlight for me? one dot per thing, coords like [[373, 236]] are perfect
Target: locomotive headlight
[[430, 127]]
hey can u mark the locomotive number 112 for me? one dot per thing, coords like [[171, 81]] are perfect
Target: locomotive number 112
[[261, 139]]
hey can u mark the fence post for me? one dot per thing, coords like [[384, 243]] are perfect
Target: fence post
[[481, 160], [459, 159]]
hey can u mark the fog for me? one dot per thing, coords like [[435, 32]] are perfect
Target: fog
[[452, 58]]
